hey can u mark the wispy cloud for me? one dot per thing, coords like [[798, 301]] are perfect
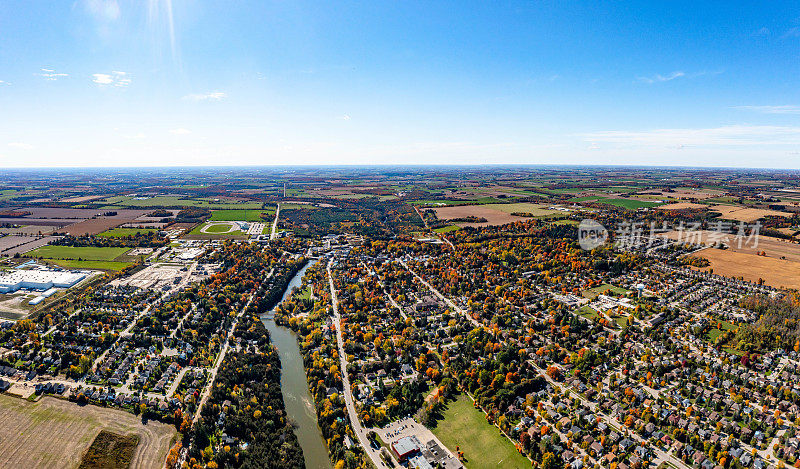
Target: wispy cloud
[[21, 146], [213, 96], [763, 32], [783, 109], [180, 131], [50, 74], [115, 78], [4, 83], [345, 117], [662, 78], [730, 135], [103, 10], [793, 32]]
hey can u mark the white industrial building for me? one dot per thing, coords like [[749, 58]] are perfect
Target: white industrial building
[[38, 280]]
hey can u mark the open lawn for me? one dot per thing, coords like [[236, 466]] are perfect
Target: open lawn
[[84, 253], [241, 215], [123, 232], [587, 312], [446, 229], [483, 445], [54, 433], [111, 266], [592, 293]]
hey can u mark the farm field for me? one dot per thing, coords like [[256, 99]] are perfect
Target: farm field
[[483, 445], [535, 209], [85, 253], [94, 226], [495, 214], [745, 214], [54, 433], [681, 206], [629, 204], [775, 272], [241, 215], [123, 232], [773, 247], [174, 201]]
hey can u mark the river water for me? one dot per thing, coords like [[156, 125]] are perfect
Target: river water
[[294, 386]]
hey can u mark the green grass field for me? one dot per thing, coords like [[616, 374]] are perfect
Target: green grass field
[[216, 232], [587, 313], [90, 265], [482, 443], [537, 210], [70, 252], [446, 229], [123, 232], [241, 215], [593, 292], [173, 201], [629, 204]]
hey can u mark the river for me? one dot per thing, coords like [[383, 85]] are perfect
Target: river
[[294, 386]]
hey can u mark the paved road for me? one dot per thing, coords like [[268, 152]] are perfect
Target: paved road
[[436, 292], [274, 232], [428, 228], [220, 358], [660, 456], [360, 432]]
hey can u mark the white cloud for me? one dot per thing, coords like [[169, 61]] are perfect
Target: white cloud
[[662, 78], [730, 135], [180, 131], [102, 79], [50, 74], [213, 96], [2, 82], [783, 109], [21, 146], [345, 117], [115, 78]]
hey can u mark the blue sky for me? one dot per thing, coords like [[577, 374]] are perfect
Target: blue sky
[[182, 82]]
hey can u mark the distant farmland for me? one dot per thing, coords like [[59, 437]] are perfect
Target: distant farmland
[[241, 215]]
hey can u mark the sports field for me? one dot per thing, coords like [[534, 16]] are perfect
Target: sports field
[[84, 253], [592, 293], [483, 445], [216, 230], [54, 433]]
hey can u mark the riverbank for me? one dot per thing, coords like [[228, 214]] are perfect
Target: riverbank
[[297, 400]]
